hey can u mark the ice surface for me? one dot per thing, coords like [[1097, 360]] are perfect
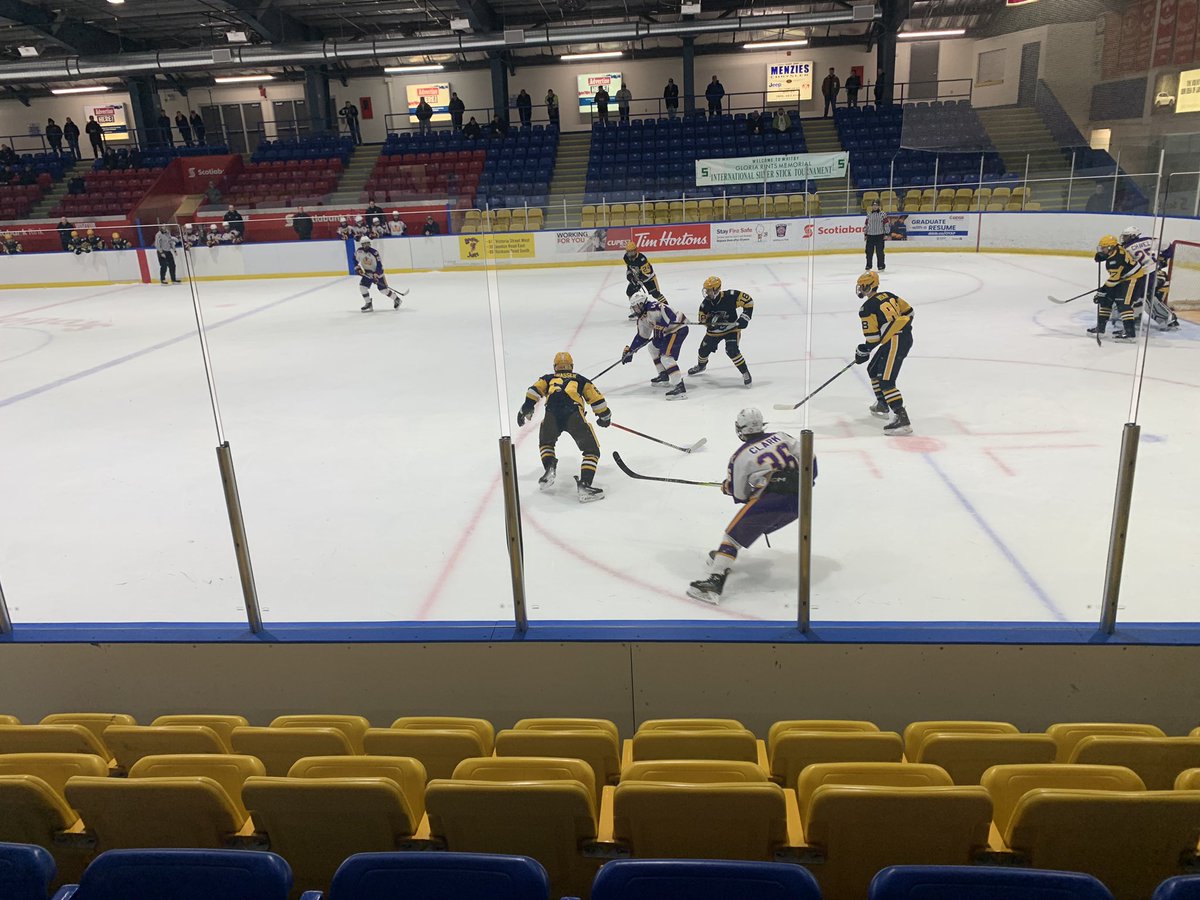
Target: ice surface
[[366, 450]]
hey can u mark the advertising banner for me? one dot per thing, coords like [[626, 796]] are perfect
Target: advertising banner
[[789, 167], [496, 246], [788, 82], [1187, 99], [942, 228], [589, 84], [198, 171], [111, 117], [436, 95], [757, 237], [1164, 38], [585, 240], [1185, 31], [660, 238]]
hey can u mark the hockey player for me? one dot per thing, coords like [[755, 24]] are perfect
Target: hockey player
[[396, 226], [213, 238], [78, 244], [1160, 310], [344, 231], [1125, 286], [190, 236], [764, 474], [359, 229], [640, 274], [887, 330], [10, 246], [230, 234], [567, 396], [94, 241], [368, 264], [724, 315], [378, 228], [665, 331], [119, 243]]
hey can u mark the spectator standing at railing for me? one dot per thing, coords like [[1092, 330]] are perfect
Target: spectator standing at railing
[[883, 91], [71, 133], [623, 97], [8, 156], [164, 129], [64, 229], [302, 224], [601, 101], [829, 90], [671, 97], [525, 108], [782, 121], [472, 130], [457, 108], [552, 107], [96, 135], [198, 129], [54, 136], [714, 94], [349, 112], [424, 113], [185, 128], [853, 86]]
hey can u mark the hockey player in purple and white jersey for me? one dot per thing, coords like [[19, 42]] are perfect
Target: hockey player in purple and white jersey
[[369, 265], [665, 331], [764, 474]]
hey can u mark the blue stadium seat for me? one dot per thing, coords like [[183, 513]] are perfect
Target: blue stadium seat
[[183, 875], [1181, 887], [984, 883], [25, 872], [654, 879], [446, 876]]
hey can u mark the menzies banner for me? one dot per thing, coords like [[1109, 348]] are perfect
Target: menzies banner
[[790, 167]]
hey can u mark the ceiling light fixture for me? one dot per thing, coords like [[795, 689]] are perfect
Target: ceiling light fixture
[[773, 45], [921, 35], [27, 51], [116, 2], [243, 79], [400, 70], [94, 89], [606, 54]]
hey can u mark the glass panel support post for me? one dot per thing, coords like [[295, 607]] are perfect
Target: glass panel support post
[[512, 530], [804, 595], [5, 620], [237, 525], [1120, 527]]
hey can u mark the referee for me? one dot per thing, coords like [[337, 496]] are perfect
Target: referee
[[164, 243], [875, 231]]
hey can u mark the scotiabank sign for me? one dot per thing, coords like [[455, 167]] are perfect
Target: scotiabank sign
[[661, 238], [198, 171]]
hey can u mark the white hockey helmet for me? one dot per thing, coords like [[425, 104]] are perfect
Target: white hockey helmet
[[358, 220], [212, 227], [187, 226], [749, 422], [395, 213], [365, 241], [1129, 235], [638, 302], [342, 220]]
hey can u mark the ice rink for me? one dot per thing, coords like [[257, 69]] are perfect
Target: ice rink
[[366, 450]]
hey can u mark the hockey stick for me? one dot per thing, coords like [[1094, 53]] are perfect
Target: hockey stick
[[632, 474], [1054, 299], [849, 365], [692, 449], [609, 369]]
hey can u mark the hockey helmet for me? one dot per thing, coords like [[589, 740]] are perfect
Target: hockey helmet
[[187, 227], [91, 232], [395, 213], [867, 284], [225, 225], [712, 287], [342, 221], [563, 362], [74, 234], [116, 236], [364, 241], [875, 204], [1107, 245], [630, 247], [1129, 235], [639, 302], [212, 227], [749, 422], [358, 220]]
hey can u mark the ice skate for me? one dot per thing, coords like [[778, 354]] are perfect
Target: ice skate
[[588, 492], [367, 307], [746, 379], [679, 392], [1096, 329], [880, 409], [698, 368], [1124, 336], [899, 424], [547, 480], [395, 301], [661, 378], [708, 590], [882, 268]]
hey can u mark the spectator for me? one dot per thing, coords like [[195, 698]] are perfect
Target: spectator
[[671, 97], [112, 161], [164, 129], [1101, 199], [499, 127], [883, 91], [424, 113], [8, 156], [54, 136], [198, 128], [28, 176], [302, 224], [782, 122], [396, 227], [714, 93], [853, 86], [349, 112], [601, 101], [753, 125], [71, 133], [212, 194], [185, 128], [373, 209], [472, 130], [95, 134], [235, 220], [430, 227], [624, 95], [829, 90], [552, 107], [525, 108], [457, 108], [75, 186], [64, 229]]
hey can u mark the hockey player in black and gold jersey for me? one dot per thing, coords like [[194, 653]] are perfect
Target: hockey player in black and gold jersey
[[640, 273], [567, 397], [724, 315], [887, 331], [1124, 287]]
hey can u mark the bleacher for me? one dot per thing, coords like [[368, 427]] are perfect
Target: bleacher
[[962, 199], [40, 169], [290, 172], [842, 799], [674, 212], [109, 193], [655, 159], [316, 148], [409, 174]]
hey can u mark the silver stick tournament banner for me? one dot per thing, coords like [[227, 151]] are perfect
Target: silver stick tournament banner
[[790, 167]]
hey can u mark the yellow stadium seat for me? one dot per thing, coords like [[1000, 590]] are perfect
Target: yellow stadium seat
[[9, 720], [1032, 206], [984, 194], [1188, 780], [768, 207], [1013, 205], [222, 725], [729, 820], [1021, 192], [125, 813], [946, 194], [519, 222], [911, 206], [618, 219], [279, 748], [662, 206], [691, 725], [916, 732], [752, 208], [315, 823], [568, 724], [1157, 761], [965, 757], [720, 209], [535, 220], [354, 727], [544, 809], [912, 194], [129, 743], [469, 228], [695, 744], [587, 220], [438, 750], [733, 207], [93, 722], [33, 812], [796, 205], [962, 205], [977, 205], [694, 771], [588, 209], [860, 830], [1006, 785], [51, 739], [1131, 841], [1001, 194], [662, 218], [927, 207], [1067, 735], [795, 750], [889, 199], [835, 726], [52, 768], [599, 749], [813, 205], [705, 210], [408, 773], [995, 207], [691, 211], [928, 195], [866, 774], [229, 770], [964, 194], [502, 215], [944, 206]]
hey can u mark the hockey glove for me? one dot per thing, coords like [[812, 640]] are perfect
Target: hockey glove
[[743, 322], [605, 420], [626, 356], [862, 353], [524, 414], [727, 488]]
